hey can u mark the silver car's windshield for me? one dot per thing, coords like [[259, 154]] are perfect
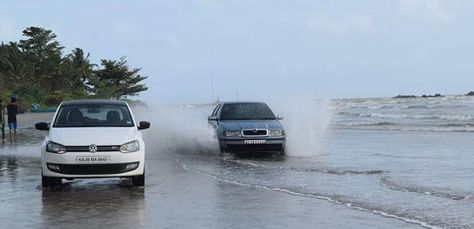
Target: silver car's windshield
[[94, 115], [247, 111]]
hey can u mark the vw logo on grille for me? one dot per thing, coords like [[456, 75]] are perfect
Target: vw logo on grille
[[255, 130], [92, 148]]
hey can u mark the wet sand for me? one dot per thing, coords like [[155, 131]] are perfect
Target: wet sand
[[177, 195], [172, 198]]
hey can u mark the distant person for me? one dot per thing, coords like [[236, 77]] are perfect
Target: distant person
[[12, 111], [2, 120]]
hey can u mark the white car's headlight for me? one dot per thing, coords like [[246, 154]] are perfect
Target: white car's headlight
[[276, 133], [130, 147], [53, 147], [232, 133]]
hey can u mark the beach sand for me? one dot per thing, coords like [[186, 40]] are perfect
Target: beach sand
[[184, 190]]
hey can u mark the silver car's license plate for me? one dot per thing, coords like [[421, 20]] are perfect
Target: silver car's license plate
[[92, 159], [255, 142]]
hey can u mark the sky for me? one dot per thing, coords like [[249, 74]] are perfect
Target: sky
[[262, 49]]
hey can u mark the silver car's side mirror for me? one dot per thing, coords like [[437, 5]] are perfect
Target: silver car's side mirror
[[212, 118], [279, 117]]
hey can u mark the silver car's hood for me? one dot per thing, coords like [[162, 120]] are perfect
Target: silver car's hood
[[250, 124], [96, 135]]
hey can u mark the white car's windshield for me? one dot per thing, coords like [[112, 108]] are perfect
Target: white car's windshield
[[94, 115]]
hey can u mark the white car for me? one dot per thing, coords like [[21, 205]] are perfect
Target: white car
[[93, 139]]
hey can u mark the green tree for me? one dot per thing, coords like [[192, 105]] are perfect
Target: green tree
[[36, 70], [41, 48], [16, 73], [116, 80], [80, 71], [15, 69]]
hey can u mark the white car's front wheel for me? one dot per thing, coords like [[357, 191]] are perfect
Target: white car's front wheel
[[139, 180], [50, 181]]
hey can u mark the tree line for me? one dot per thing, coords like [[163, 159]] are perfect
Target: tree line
[[36, 70]]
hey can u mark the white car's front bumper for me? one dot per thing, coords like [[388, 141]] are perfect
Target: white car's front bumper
[[69, 167]]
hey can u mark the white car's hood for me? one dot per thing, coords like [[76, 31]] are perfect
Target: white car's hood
[[97, 135]]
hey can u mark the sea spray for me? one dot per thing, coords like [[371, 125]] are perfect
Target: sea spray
[[182, 129], [185, 128], [305, 121]]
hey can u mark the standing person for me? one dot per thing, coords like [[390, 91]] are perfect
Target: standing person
[[2, 120], [12, 111]]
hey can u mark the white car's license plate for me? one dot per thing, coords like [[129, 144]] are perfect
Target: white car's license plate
[[93, 159], [255, 142]]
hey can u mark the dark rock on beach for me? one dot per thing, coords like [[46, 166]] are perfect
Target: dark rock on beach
[[404, 96], [423, 96], [431, 96]]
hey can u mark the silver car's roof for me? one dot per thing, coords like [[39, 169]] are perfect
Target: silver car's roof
[[239, 102]]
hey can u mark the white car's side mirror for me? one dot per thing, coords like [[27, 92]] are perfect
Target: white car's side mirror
[[144, 125], [42, 126]]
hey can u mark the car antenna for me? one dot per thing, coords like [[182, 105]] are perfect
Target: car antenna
[[212, 88]]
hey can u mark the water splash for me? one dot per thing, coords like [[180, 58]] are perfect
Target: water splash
[[179, 129], [306, 123]]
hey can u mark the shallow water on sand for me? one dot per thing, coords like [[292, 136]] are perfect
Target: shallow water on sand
[[426, 181], [176, 196], [360, 179]]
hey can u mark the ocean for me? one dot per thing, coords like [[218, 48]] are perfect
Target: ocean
[[440, 114], [410, 159]]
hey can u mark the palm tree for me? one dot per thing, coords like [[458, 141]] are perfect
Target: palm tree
[[81, 70], [15, 71]]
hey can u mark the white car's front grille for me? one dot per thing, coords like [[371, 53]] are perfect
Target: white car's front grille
[[109, 148]]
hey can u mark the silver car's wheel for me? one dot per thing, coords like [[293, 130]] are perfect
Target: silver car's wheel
[[221, 151]]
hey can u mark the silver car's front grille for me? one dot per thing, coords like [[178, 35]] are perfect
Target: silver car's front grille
[[255, 132]]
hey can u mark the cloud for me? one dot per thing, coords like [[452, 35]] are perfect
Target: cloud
[[341, 24], [8, 30], [203, 3], [171, 41], [430, 10], [122, 27]]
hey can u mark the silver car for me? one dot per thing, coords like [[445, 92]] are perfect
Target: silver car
[[247, 127]]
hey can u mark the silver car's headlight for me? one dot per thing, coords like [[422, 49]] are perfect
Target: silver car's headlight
[[130, 147], [53, 147], [276, 133], [232, 133]]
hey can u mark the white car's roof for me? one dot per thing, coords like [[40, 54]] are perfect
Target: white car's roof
[[94, 101]]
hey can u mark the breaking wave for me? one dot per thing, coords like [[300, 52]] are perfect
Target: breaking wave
[[416, 116], [332, 171], [390, 183], [447, 114], [388, 126]]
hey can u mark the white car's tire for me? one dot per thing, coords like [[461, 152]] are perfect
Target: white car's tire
[[139, 180], [50, 181]]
